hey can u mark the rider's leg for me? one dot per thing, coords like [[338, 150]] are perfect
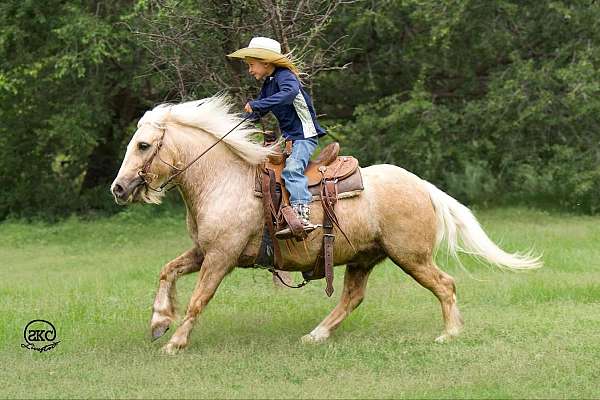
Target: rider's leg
[[295, 181]]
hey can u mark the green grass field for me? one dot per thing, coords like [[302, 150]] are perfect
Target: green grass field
[[527, 335]]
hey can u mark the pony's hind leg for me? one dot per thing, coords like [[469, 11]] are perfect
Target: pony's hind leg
[[425, 272], [355, 282], [163, 310]]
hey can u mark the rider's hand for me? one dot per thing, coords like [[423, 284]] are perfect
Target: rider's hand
[[247, 108]]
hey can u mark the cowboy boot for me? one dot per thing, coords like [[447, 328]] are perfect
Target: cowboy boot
[[302, 212]]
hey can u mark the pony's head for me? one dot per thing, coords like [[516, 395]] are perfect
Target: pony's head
[[145, 161], [152, 149]]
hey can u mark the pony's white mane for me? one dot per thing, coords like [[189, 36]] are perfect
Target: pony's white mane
[[211, 115]]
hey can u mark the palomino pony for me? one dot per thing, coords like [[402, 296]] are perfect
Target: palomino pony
[[398, 215]]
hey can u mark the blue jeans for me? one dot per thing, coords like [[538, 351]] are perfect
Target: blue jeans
[[293, 173]]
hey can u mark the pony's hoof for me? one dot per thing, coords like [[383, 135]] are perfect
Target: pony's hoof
[[170, 349], [158, 331], [444, 338], [312, 339], [448, 335]]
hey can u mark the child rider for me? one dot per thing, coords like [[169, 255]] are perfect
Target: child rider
[[283, 95]]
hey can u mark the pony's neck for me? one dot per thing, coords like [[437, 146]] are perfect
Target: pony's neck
[[216, 171]]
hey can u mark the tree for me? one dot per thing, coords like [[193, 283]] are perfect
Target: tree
[[67, 97], [487, 99], [484, 98], [189, 44]]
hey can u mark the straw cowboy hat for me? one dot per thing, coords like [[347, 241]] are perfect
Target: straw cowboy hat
[[267, 50]]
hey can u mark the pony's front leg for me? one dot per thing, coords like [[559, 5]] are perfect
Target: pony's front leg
[[163, 310], [214, 268]]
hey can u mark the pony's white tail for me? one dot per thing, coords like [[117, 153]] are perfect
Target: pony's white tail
[[461, 231]]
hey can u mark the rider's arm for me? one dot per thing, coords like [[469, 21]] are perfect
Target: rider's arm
[[256, 115], [289, 87]]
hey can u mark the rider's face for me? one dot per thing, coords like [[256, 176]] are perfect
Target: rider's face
[[258, 69]]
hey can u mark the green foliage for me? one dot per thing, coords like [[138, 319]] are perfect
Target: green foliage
[[64, 73], [416, 121], [483, 98], [493, 101]]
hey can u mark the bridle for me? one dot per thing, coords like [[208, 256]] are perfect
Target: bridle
[[147, 177]]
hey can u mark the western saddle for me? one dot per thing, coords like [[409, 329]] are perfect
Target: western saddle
[[330, 177]]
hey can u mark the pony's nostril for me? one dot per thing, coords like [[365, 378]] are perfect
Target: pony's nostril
[[118, 190]]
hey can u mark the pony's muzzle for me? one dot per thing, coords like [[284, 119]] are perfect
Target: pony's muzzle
[[118, 191], [122, 191]]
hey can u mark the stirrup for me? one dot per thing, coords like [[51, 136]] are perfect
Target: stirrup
[[286, 233]]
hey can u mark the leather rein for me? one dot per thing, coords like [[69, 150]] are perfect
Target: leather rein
[[147, 177]]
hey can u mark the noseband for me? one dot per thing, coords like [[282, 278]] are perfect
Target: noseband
[[147, 177]]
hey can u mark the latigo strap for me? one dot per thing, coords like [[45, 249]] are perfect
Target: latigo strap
[[328, 200], [270, 213]]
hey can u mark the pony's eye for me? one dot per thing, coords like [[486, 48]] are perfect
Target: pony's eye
[[143, 146]]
